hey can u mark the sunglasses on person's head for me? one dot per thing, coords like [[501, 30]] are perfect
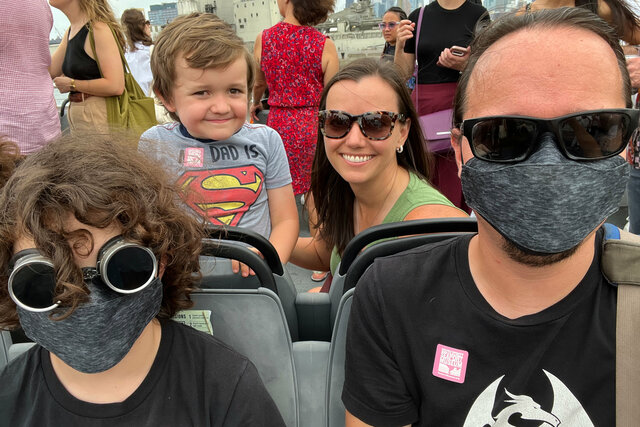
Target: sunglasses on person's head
[[124, 267], [589, 135], [389, 25], [375, 125]]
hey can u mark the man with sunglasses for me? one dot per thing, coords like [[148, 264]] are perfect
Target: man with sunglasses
[[516, 324]]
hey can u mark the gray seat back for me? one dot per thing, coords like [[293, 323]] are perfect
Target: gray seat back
[[10, 350], [252, 321], [335, 372], [217, 273], [4, 348]]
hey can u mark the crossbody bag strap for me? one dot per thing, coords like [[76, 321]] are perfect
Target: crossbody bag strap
[[620, 265], [92, 41], [628, 356], [416, 55]]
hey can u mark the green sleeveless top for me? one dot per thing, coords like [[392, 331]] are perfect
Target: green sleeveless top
[[417, 193]]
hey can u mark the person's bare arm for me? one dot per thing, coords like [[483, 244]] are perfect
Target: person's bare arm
[[112, 81], [55, 68], [435, 211], [260, 85], [405, 61], [330, 62], [311, 253], [284, 221]]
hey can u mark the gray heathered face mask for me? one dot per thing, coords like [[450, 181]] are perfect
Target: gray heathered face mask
[[100, 332], [547, 203]]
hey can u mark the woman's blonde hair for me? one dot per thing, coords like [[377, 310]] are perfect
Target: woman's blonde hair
[[100, 11]]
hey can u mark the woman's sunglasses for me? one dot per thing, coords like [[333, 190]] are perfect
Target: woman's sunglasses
[[124, 267], [389, 25], [589, 135], [375, 125]]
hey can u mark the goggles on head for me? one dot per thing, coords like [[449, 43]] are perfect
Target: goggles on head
[[375, 125], [584, 136], [124, 267]]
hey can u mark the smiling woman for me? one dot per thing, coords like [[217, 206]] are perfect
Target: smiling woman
[[371, 173]]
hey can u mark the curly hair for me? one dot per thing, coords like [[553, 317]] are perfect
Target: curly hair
[[9, 157], [205, 41], [332, 194], [101, 180], [312, 12], [134, 25]]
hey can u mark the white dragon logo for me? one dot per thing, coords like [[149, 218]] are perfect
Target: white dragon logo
[[566, 410]]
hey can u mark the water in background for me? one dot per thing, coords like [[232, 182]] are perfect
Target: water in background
[[60, 97]]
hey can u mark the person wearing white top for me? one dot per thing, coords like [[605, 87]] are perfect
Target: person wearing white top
[[138, 53]]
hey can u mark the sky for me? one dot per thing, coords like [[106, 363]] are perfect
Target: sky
[[61, 23]]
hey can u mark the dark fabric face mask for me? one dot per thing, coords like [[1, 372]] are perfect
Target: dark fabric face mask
[[100, 332], [547, 203]]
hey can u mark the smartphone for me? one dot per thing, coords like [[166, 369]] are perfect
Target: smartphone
[[457, 51]]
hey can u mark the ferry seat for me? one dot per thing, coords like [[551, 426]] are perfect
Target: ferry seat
[[217, 273], [358, 256], [10, 350], [388, 231], [253, 322]]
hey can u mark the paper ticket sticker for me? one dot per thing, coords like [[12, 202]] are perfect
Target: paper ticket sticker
[[200, 320]]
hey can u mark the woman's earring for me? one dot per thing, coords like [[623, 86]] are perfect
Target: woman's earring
[[400, 149]]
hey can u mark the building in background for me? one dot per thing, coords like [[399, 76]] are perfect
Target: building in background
[[222, 8], [252, 16], [162, 14], [186, 7], [355, 31]]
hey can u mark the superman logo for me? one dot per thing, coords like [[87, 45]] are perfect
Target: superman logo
[[222, 196]]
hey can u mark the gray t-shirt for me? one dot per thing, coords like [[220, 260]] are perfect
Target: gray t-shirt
[[224, 181]]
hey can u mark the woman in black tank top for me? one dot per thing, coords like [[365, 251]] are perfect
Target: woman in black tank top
[[616, 12], [74, 68]]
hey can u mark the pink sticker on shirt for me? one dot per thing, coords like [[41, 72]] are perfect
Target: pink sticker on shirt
[[193, 157], [450, 363]]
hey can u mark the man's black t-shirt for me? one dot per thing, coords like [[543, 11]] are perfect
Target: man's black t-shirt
[[195, 380], [424, 347], [442, 28]]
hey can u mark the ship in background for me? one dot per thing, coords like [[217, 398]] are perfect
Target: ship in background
[[354, 31]]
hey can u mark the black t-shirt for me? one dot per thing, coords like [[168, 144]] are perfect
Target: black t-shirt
[[195, 380], [440, 29], [424, 347]]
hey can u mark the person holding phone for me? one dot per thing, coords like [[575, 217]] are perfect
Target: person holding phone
[[445, 32]]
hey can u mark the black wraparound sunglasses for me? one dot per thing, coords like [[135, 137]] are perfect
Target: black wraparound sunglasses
[[583, 136], [375, 125]]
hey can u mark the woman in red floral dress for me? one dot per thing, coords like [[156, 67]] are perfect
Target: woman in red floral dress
[[296, 60]]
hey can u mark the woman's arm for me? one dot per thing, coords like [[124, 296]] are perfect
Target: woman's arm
[[55, 68], [260, 84], [311, 253], [330, 62], [112, 81], [406, 61], [435, 211]]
